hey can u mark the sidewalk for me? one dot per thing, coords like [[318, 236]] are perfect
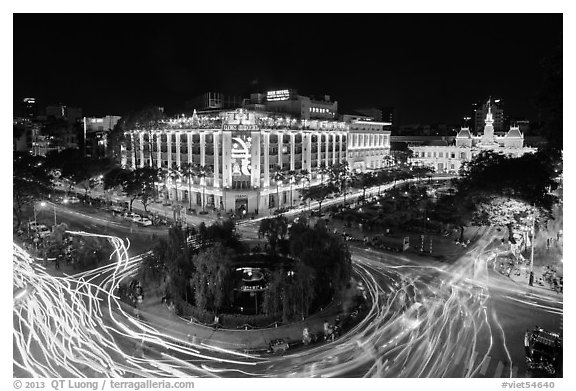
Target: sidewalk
[[166, 321], [540, 283]]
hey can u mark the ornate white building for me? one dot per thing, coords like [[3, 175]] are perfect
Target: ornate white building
[[449, 158], [244, 149]]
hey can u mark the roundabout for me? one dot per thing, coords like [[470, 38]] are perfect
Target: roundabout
[[418, 320]]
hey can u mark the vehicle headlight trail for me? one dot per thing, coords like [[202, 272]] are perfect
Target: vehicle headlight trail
[[75, 326]]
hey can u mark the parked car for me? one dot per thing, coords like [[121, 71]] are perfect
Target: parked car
[[144, 221], [71, 200], [278, 345], [132, 216], [391, 243], [117, 210]]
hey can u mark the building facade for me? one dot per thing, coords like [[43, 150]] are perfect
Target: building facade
[[449, 158], [289, 102], [245, 150], [96, 131], [497, 110]]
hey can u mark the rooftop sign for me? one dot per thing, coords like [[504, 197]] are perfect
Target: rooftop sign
[[272, 96]]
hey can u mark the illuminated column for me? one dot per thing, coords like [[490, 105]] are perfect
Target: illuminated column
[[341, 139], [226, 156], [255, 159], [327, 138], [202, 148], [178, 149], [158, 151], [318, 148], [216, 136], [280, 136], [266, 159], [307, 151], [292, 150], [141, 146], [334, 160], [190, 147], [169, 148]]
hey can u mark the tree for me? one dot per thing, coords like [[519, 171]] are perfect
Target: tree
[[318, 193], [278, 176], [388, 160], [188, 171], [202, 172], [495, 174], [290, 292], [303, 177], [341, 176], [212, 283], [274, 230], [174, 174], [454, 210], [323, 170], [139, 183], [327, 255], [30, 181], [291, 176], [365, 181]]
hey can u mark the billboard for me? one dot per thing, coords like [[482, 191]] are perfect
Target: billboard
[[241, 154], [272, 96]]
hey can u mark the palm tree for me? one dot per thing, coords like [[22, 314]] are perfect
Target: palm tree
[[323, 170], [303, 176], [278, 176], [174, 174], [164, 173], [291, 176], [202, 172], [188, 170]]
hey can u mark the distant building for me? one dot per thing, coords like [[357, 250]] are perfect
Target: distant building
[[449, 158], [289, 102], [213, 101], [29, 108], [390, 114], [96, 131], [59, 111], [374, 113]]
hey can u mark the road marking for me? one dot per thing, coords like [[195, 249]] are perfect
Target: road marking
[[499, 369], [485, 365]]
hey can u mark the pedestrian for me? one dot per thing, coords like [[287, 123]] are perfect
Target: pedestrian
[[57, 263]]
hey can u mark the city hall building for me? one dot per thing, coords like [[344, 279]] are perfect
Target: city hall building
[[449, 158], [244, 149]]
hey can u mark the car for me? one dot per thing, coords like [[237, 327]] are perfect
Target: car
[[132, 216], [278, 345], [144, 221], [71, 200], [117, 210]]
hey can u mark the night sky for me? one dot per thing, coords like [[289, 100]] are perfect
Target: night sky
[[430, 67]]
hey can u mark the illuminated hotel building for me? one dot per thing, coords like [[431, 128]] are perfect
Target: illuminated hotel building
[[244, 150]]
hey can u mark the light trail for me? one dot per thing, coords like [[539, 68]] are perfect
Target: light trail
[[423, 321]]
